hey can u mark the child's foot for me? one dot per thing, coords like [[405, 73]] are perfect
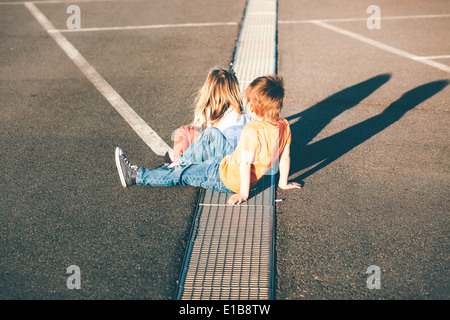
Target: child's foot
[[127, 171], [167, 161], [167, 158], [173, 165], [170, 154]]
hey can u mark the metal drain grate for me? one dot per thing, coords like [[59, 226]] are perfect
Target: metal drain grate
[[256, 51], [231, 249], [230, 255]]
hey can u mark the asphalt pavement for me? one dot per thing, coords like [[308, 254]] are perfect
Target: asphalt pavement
[[62, 202], [370, 144]]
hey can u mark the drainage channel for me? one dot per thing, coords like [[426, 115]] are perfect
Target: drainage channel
[[230, 254]]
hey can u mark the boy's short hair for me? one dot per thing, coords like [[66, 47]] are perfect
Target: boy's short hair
[[265, 94]]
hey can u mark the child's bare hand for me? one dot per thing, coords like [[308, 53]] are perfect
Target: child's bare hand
[[291, 185], [236, 199]]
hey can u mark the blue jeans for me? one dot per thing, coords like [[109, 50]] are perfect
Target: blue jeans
[[199, 167]]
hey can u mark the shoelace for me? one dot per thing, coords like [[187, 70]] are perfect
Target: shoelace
[[128, 163]]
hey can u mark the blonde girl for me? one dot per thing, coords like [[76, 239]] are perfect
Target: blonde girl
[[218, 104]]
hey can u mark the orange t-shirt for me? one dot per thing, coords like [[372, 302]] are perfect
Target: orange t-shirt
[[267, 141]]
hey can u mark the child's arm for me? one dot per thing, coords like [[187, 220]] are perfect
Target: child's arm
[[244, 171], [285, 163]]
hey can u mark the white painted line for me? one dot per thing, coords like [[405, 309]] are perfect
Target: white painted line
[[53, 1], [154, 26], [382, 46], [434, 57], [426, 16], [139, 126]]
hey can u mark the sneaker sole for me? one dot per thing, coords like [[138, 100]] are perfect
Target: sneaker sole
[[119, 167]]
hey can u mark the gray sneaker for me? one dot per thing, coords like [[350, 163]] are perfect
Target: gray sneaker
[[127, 171]]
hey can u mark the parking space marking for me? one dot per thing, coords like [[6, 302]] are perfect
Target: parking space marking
[[154, 26], [52, 1], [433, 57], [423, 16], [131, 117], [382, 46]]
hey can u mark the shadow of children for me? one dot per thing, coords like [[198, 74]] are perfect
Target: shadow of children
[[311, 121]]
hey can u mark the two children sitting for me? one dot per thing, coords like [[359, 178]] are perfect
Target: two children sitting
[[211, 159]]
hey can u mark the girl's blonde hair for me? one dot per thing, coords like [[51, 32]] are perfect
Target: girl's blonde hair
[[219, 93]]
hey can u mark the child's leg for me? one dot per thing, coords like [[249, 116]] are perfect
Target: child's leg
[[184, 137], [204, 174], [211, 143]]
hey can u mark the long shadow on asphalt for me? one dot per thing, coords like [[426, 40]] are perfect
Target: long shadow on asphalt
[[311, 121]]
